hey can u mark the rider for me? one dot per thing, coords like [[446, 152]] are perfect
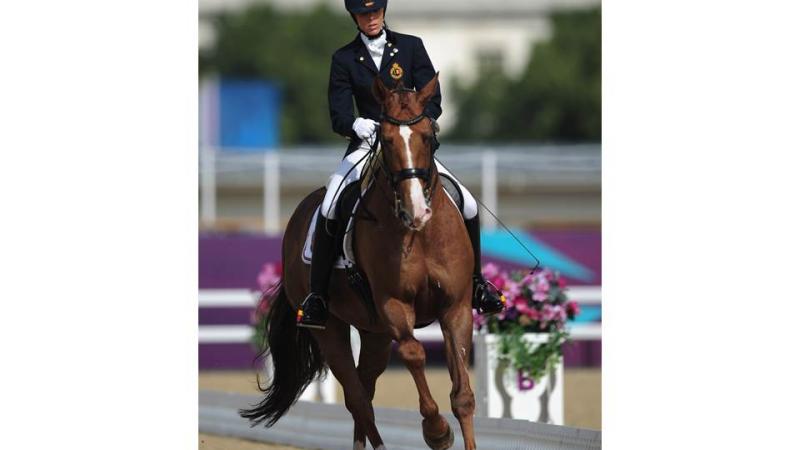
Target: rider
[[376, 51]]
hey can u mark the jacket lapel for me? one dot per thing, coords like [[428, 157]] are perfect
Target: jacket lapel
[[389, 51]]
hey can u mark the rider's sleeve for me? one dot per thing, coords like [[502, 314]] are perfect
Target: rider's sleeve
[[423, 73], [340, 100]]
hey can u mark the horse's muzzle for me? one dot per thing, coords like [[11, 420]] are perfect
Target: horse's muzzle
[[418, 221]]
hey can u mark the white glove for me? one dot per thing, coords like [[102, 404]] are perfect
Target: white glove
[[364, 128]]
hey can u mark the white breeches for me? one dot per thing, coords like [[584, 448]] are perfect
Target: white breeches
[[352, 161]]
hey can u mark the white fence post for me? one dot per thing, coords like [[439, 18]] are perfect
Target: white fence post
[[272, 198], [489, 187], [208, 187]]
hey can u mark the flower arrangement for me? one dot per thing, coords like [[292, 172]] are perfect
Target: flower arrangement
[[537, 304], [268, 279]]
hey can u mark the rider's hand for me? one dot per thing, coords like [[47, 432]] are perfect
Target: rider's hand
[[364, 128]]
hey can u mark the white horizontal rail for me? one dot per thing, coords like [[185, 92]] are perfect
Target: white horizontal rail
[[333, 427], [587, 295], [222, 298], [224, 334], [234, 334]]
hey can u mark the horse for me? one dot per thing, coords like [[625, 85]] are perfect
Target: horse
[[418, 259]]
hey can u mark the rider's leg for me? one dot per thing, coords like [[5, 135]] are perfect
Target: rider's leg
[[486, 299], [313, 312]]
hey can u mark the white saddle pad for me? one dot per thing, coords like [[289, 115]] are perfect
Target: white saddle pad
[[347, 246]]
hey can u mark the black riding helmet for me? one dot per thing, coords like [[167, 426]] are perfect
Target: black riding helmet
[[363, 6]]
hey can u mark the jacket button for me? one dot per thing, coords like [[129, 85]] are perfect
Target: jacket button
[[360, 58]]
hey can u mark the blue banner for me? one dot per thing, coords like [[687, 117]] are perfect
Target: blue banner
[[249, 115]]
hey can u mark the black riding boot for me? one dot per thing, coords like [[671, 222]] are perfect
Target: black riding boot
[[485, 297], [313, 312]]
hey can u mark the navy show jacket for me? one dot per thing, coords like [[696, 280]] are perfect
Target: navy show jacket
[[353, 72]]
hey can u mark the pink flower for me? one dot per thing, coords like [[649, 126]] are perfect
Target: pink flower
[[521, 303], [540, 296], [512, 289], [559, 313], [573, 309], [547, 313], [532, 314], [490, 270], [542, 285], [499, 281], [269, 276], [478, 321]]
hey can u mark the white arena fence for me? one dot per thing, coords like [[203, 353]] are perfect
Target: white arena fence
[[235, 334]]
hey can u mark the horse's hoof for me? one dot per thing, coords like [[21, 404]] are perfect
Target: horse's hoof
[[442, 442]]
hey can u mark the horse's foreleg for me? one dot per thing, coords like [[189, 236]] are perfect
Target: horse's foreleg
[[334, 342], [435, 429], [457, 331], [376, 349]]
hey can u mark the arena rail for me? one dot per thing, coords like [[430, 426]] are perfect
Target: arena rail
[[222, 298], [401, 430]]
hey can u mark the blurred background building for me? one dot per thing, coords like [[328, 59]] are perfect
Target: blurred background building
[[521, 127]]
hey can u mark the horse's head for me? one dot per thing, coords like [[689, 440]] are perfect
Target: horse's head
[[406, 140]]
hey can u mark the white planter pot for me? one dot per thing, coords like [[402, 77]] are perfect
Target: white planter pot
[[502, 393]]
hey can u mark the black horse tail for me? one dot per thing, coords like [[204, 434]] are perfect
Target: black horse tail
[[296, 360]]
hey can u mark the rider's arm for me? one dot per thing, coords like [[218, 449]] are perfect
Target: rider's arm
[[423, 73], [340, 100]]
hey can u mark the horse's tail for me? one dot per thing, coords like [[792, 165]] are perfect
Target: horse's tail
[[296, 359]]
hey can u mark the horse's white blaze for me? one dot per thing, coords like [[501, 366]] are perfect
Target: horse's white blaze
[[420, 209]]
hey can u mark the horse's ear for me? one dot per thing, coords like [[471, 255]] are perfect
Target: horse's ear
[[379, 90], [425, 94]]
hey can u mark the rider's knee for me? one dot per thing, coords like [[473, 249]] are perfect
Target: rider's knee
[[470, 205]]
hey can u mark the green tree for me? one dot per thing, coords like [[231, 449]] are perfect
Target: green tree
[[557, 98], [291, 49]]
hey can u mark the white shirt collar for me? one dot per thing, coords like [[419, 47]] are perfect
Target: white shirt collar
[[380, 40], [375, 46]]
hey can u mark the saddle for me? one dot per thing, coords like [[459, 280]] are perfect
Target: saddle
[[347, 212]]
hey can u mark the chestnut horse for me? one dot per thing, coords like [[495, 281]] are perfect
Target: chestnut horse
[[418, 260]]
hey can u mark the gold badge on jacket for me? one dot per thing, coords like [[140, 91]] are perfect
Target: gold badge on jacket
[[396, 72]]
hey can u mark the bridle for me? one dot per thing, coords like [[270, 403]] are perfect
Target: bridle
[[395, 177]]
